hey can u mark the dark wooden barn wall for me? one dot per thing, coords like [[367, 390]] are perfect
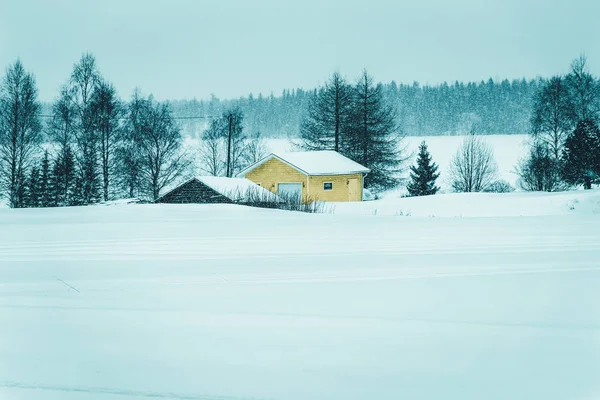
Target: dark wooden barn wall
[[194, 192]]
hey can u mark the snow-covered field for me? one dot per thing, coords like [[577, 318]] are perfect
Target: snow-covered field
[[508, 150], [515, 204], [228, 302]]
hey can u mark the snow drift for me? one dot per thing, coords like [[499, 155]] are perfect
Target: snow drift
[[479, 205]]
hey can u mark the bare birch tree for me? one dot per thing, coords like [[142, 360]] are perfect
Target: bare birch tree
[[107, 111], [128, 169], [84, 80], [552, 116], [61, 129], [584, 91], [20, 131], [159, 147], [212, 150], [473, 167], [539, 171], [256, 149]]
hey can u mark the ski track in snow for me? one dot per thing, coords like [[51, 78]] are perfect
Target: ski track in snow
[[264, 247], [118, 392]]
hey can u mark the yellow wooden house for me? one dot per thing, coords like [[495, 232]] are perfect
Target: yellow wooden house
[[309, 175]]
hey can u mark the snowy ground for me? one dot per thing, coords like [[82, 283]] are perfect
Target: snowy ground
[[226, 302], [514, 204]]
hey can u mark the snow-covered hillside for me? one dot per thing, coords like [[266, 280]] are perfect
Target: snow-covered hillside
[[227, 302]]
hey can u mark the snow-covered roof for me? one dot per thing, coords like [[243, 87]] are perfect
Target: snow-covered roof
[[325, 162], [237, 189]]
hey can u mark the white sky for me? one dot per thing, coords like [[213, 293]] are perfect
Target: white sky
[[195, 48]]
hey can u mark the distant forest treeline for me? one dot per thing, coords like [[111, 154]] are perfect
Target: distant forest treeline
[[491, 107], [447, 109]]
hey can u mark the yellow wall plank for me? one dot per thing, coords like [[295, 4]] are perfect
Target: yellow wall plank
[[273, 172]]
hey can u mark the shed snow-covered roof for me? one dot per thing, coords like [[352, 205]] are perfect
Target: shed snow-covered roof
[[237, 189], [325, 162]]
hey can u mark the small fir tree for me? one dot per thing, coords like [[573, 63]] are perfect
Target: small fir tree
[[46, 187], [77, 198], [423, 175], [32, 194], [63, 177]]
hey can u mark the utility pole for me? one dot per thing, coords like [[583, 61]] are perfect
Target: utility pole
[[228, 172]]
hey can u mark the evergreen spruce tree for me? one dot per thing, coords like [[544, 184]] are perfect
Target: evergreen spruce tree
[[57, 194], [128, 169], [77, 197], [32, 194], [90, 178], [423, 175], [46, 187], [581, 157], [375, 138], [326, 123], [63, 177]]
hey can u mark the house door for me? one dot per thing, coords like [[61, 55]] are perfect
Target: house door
[[290, 191], [353, 190]]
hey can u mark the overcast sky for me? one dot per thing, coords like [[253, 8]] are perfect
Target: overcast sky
[[195, 48]]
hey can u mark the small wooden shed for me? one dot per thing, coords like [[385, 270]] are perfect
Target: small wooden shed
[[214, 189], [309, 176]]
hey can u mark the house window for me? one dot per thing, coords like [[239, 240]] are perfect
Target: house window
[[328, 186]]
